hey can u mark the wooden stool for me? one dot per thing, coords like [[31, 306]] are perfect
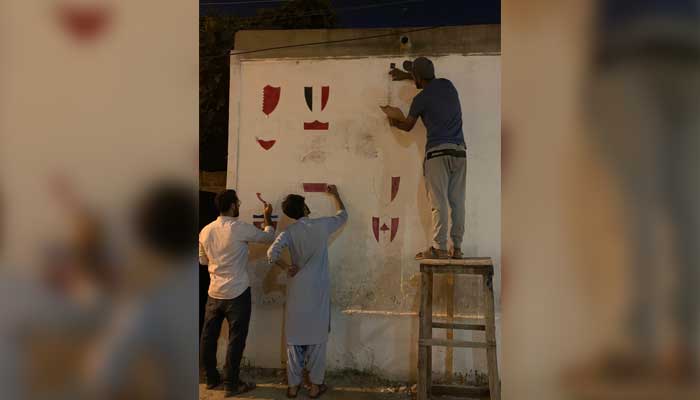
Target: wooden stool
[[473, 266]]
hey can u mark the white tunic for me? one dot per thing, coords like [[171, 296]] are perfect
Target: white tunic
[[308, 293]]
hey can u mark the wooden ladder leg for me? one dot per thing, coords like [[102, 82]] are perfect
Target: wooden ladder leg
[[425, 331], [449, 333], [491, 353]]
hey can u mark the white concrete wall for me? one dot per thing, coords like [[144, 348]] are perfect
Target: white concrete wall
[[374, 285]]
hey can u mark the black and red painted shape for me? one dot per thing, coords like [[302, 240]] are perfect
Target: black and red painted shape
[[309, 97], [84, 22], [384, 228], [271, 97]]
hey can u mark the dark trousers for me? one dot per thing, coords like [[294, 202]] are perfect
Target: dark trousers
[[237, 314]]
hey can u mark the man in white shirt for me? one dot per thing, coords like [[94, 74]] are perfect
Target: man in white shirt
[[223, 246], [308, 291]]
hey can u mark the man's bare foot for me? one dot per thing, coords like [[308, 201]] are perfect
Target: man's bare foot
[[293, 391], [317, 390], [433, 254]]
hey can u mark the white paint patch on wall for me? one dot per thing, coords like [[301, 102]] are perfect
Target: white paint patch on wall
[[361, 154]]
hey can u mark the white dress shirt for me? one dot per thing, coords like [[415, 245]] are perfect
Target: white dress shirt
[[223, 246]]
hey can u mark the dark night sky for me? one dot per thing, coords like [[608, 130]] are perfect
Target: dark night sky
[[383, 13]]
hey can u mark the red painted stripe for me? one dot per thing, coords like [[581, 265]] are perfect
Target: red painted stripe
[[316, 126], [315, 187], [395, 182], [325, 92], [375, 228], [394, 228]]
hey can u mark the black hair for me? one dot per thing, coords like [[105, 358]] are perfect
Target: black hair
[[225, 199], [167, 218], [294, 206]]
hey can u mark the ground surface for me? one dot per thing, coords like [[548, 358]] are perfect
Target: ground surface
[[346, 385], [343, 385]]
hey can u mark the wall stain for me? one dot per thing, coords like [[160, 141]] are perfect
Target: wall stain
[[367, 147], [317, 156], [271, 281], [315, 152]]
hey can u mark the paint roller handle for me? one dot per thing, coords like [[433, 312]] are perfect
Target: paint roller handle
[[267, 214]]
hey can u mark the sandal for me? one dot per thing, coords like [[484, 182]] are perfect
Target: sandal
[[322, 388], [243, 387], [433, 253], [291, 395]]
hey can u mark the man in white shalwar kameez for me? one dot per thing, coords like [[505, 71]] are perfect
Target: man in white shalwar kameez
[[308, 290]]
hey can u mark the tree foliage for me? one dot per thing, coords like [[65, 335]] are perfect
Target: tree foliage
[[216, 39]]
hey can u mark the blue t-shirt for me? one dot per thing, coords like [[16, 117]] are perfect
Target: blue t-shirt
[[438, 106]]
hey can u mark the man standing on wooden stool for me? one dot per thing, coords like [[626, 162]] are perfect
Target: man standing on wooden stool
[[445, 165]]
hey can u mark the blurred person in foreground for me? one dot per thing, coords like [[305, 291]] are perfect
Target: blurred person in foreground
[[47, 316], [149, 348], [92, 268], [308, 291], [644, 99], [223, 246]]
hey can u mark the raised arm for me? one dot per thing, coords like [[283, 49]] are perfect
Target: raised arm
[[340, 218], [255, 235], [333, 190], [406, 124], [416, 110], [399, 75]]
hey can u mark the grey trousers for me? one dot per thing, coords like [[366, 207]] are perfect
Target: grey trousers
[[446, 184], [313, 357]]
